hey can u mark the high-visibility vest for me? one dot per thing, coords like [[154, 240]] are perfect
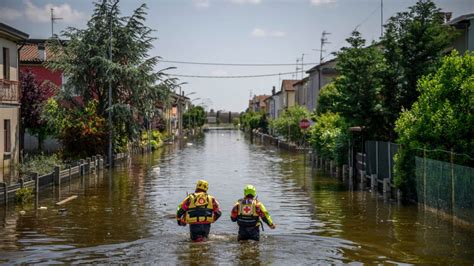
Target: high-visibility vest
[[200, 209], [248, 215]]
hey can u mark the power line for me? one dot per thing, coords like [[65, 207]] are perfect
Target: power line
[[231, 64], [232, 77]]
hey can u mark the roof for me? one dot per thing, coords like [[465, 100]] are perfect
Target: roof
[[300, 82], [11, 33], [320, 65], [287, 84], [29, 52], [461, 18]]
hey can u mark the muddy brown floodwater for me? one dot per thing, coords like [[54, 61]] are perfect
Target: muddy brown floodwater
[[127, 215]]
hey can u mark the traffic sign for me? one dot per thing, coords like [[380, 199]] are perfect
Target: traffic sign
[[304, 123]]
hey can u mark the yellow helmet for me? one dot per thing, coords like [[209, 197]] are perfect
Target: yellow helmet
[[250, 190], [203, 185]]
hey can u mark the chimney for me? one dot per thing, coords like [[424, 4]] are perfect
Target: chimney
[[41, 52], [273, 90]]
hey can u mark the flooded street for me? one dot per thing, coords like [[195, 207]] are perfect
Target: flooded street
[[128, 215]]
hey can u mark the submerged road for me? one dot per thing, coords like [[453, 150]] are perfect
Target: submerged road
[[128, 215]]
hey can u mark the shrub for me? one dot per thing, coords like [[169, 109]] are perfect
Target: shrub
[[23, 195], [41, 164], [329, 137], [288, 124]]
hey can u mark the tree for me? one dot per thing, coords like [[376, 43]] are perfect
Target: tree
[[441, 118], [76, 126], [413, 44], [288, 124], [251, 120], [327, 100], [357, 89], [33, 96], [137, 87], [194, 117], [329, 136]]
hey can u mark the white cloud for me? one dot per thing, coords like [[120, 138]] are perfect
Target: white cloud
[[321, 2], [219, 72], [255, 2], [43, 13], [201, 3], [257, 32], [9, 14]]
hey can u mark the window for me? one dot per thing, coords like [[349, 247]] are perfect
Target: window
[[6, 63], [7, 135]]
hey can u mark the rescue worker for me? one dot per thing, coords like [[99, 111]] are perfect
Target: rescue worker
[[247, 212], [199, 210]]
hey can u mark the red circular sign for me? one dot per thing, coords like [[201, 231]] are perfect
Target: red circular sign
[[304, 123]]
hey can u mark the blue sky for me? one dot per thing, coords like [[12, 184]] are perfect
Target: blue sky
[[230, 31]]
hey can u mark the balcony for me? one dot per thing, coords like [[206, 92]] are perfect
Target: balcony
[[9, 91]]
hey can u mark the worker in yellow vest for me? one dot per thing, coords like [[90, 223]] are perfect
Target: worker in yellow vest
[[199, 210], [247, 212]]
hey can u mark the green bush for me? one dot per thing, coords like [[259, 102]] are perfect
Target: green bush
[[441, 118], [41, 164], [329, 137], [24, 195], [156, 139], [288, 124]]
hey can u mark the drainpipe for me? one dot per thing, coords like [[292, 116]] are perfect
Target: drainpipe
[[20, 133]]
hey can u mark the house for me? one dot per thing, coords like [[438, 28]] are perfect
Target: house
[[319, 76], [33, 55], [465, 26], [257, 103], [288, 93], [273, 104], [301, 92], [9, 98]]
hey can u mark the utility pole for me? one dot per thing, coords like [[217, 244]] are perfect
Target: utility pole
[[53, 18], [381, 18], [324, 41], [302, 66]]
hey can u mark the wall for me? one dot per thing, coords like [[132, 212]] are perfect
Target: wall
[[42, 74], [12, 113], [13, 58]]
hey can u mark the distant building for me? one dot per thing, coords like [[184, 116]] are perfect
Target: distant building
[[288, 93], [465, 26], [257, 103], [9, 98], [319, 76], [301, 92]]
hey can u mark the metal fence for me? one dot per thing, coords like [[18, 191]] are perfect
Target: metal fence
[[446, 186], [379, 158]]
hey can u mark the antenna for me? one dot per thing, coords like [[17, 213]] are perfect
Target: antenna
[[53, 18], [324, 41]]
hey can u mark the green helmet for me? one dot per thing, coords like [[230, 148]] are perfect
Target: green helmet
[[250, 190]]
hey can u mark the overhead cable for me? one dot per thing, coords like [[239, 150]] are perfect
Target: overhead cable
[[231, 64], [232, 77]]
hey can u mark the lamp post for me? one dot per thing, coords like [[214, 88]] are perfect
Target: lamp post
[[110, 90]]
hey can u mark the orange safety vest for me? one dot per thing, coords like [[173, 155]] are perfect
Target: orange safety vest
[[200, 209]]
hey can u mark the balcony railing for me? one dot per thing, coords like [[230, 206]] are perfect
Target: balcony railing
[[9, 91]]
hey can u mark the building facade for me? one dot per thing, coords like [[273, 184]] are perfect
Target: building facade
[[465, 26], [319, 76], [9, 99]]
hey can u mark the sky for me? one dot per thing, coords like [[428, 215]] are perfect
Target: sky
[[231, 31]]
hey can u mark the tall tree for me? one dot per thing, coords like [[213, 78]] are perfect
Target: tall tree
[[33, 97], [85, 61], [413, 43], [357, 96]]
